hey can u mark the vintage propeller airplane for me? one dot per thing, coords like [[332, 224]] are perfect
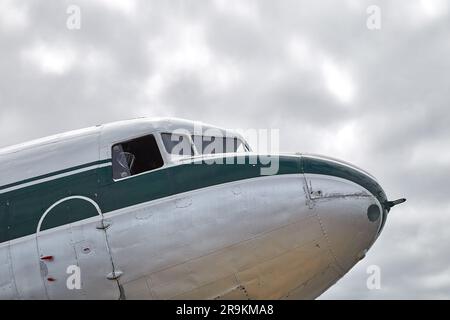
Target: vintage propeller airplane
[[121, 207]]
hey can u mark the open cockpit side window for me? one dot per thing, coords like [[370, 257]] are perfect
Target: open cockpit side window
[[135, 156]]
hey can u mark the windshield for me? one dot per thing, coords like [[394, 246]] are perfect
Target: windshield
[[177, 145], [213, 145]]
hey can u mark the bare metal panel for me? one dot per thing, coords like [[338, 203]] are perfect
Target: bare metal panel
[[7, 285], [82, 245]]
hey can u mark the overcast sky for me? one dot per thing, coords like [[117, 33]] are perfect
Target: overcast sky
[[378, 98]]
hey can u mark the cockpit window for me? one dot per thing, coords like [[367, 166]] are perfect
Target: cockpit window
[[213, 145], [135, 156], [177, 144]]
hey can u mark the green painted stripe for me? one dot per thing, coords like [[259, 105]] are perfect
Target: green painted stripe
[[54, 173], [322, 166], [21, 210]]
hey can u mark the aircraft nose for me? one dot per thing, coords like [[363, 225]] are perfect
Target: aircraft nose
[[349, 203], [351, 227]]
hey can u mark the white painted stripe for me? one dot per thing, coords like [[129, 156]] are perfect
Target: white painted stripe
[[32, 183]]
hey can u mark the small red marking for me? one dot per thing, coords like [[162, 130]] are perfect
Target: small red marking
[[48, 258], [51, 279]]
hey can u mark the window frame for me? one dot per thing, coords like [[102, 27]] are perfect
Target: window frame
[[157, 138]]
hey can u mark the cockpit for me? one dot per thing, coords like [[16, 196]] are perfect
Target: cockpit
[[150, 152]]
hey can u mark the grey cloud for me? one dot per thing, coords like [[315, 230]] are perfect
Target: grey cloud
[[400, 77]]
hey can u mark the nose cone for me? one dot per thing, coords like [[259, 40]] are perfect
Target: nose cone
[[352, 226], [349, 204]]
